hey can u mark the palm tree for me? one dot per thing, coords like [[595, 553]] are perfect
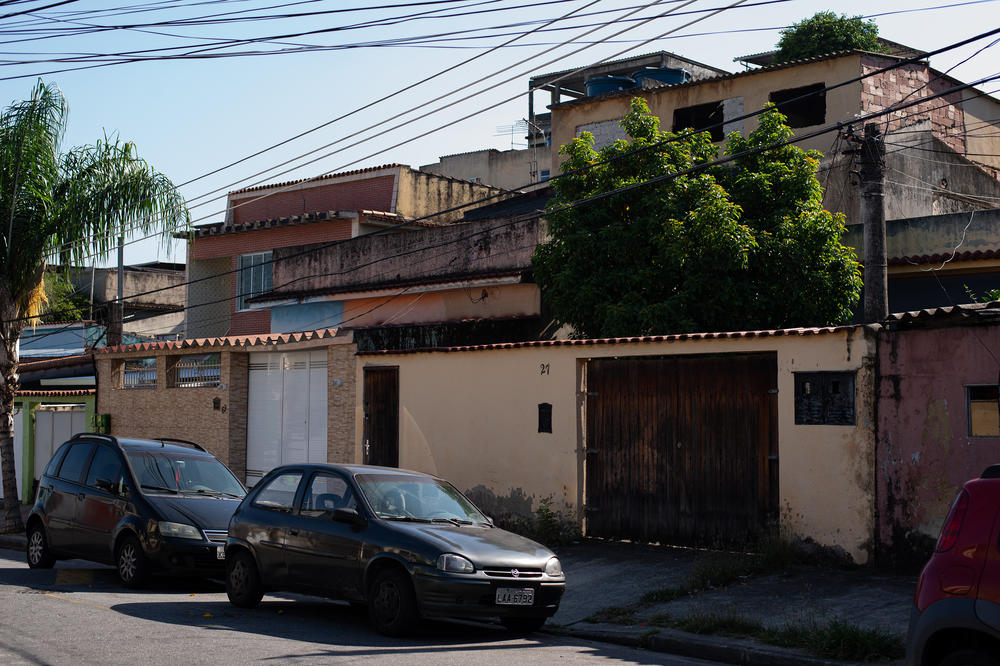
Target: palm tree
[[69, 206]]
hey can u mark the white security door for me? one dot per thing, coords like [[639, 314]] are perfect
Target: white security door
[[286, 410]]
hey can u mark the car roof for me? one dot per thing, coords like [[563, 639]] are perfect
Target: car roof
[[353, 469], [130, 444]]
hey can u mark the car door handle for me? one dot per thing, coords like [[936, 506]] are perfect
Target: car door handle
[[81, 496]]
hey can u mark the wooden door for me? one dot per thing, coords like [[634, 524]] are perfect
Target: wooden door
[[682, 449], [381, 427]]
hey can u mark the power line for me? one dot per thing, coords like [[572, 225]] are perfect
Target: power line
[[577, 203]]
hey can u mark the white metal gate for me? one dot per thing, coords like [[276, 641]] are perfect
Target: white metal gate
[[286, 410], [54, 424]]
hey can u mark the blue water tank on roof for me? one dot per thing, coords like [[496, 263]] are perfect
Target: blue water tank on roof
[[667, 75], [605, 84]]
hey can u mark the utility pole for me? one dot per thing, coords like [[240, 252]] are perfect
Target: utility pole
[[872, 171], [115, 311]]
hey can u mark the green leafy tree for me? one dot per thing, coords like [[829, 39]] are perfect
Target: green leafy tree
[[64, 205], [62, 301], [736, 247], [825, 32]]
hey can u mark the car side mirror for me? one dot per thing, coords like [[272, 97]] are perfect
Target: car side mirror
[[349, 516], [106, 485]]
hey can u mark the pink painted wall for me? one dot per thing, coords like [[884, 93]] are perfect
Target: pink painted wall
[[924, 452]]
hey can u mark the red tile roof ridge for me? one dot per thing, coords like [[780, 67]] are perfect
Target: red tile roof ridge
[[252, 340], [674, 337]]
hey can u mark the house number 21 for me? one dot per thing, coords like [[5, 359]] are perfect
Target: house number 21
[[543, 368]]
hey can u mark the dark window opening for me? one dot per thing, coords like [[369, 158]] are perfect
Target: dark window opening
[[805, 112], [824, 398], [544, 417], [699, 117], [984, 414]]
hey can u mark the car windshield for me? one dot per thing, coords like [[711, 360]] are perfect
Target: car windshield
[[403, 497], [176, 472]]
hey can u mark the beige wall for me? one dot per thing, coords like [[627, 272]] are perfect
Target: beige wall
[[982, 122], [419, 193], [841, 104], [509, 169], [470, 416]]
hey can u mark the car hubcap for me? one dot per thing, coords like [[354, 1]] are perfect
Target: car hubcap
[[387, 601], [238, 577], [126, 562], [35, 547]]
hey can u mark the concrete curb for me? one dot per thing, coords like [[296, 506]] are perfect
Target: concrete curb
[[714, 648], [13, 541]]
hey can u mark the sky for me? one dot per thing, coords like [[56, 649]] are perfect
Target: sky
[[192, 118]]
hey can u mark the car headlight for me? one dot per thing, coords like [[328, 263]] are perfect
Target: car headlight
[[553, 568], [455, 564], [179, 530]]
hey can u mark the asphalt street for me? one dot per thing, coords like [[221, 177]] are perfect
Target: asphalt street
[[77, 613]]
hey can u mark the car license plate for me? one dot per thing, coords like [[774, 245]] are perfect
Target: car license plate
[[220, 552], [515, 596]]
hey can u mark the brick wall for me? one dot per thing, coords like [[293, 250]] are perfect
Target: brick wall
[[362, 194], [184, 413], [908, 83], [340, 364], [237, 387]]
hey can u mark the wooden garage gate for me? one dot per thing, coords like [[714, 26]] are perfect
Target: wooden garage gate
[[682, 449]]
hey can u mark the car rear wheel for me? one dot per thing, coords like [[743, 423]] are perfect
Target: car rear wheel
[[970, 657], [392, 603], [243, 585], [37, 553], [133, 568], [523, 625]]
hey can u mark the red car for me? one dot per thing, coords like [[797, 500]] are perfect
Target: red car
[[956, 617]]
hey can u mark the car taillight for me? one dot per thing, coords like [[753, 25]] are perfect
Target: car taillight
[[953, 524]]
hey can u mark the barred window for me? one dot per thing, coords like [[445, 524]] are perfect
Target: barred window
[[194, 370], [138, 373]]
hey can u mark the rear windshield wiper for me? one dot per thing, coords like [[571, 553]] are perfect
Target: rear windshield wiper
[[169, 490]]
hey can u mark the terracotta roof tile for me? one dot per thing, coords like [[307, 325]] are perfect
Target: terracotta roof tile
[[55, 394], [327, 176], [231, 341], [619, 341], [58, 362], [971, 255]]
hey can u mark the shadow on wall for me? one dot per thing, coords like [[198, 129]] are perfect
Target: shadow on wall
[[516, 513]]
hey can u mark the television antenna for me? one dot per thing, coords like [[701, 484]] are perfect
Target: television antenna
[[520, 127]]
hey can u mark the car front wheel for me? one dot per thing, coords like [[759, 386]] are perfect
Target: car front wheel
[[37, 552], [243, 585], [133, 569], [392, 604]]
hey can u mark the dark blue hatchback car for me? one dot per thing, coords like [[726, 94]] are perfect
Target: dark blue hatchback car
[[141, 505], [404, 544]]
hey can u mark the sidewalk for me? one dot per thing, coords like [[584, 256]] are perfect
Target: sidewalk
[[606, 582]]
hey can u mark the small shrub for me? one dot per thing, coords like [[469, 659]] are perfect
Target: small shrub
[[729, 624], [838, 640], [663, 595], [546, 526], [613, 614], [718, 569]]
